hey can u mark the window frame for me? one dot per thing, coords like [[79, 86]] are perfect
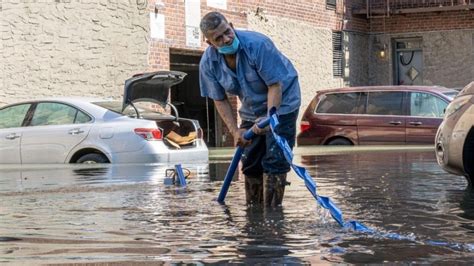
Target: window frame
[[337, 54], [35, 104], [325, 96], [331, 4], [404, 111], [26, 116], [425, 92]]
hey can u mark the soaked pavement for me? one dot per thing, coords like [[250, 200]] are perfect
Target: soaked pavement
[[128, 214]]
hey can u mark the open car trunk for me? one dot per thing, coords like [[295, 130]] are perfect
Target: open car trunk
[[178, 133]]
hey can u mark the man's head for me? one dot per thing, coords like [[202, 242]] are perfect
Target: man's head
[[219, 33]]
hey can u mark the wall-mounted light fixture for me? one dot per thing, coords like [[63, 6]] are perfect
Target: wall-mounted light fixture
[[382, 52], [380, 49]]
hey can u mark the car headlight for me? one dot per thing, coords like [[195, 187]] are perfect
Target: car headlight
[[456, 104]]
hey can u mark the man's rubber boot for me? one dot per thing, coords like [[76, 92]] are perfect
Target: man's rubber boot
[[273, 189], [254, 189]]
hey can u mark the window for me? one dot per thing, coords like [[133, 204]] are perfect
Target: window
[[331, 4], [337, 54], [339, 103], [385, 103], [81, 118], [426, 105], [57, 114], [13, 116]]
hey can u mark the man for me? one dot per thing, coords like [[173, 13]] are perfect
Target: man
[[247, 64]]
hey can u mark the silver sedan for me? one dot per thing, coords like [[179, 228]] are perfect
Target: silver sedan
[[83, 130]]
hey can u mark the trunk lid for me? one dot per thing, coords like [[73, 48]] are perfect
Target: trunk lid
[[151, 87]]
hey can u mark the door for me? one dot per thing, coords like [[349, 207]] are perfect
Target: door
[[187, 98], [384, 119], [409, 62], [11, 121], [425, 115], [54, 130]]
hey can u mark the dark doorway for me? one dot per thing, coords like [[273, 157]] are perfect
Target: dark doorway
[[186, 95]]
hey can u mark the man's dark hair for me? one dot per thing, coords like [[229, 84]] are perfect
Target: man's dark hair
[[210, 21]]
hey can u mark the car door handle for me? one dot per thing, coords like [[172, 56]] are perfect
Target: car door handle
[[12, 136], [75, 131], [395, 123], [417, 123]]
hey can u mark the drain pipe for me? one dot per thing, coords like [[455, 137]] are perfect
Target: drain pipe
[[248, 135]]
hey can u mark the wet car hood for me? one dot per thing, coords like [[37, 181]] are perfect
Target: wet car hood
[[152, 87]]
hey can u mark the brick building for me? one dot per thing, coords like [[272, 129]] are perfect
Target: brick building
[[89, 47], [429, 42]]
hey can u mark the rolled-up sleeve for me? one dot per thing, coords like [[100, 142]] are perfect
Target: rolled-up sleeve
[[270, 63], [208, 83]]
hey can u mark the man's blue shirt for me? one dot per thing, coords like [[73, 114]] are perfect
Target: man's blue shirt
[[259, 65]]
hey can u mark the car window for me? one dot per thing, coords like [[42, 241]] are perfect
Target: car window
[[13, 116], [385, 103], [82, 118], [339, 103], [426, 105], [57, 114]]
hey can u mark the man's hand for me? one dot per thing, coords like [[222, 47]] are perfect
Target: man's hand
[[257, 130], [239, 138]]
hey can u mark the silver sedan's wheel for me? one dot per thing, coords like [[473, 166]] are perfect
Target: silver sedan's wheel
[[92, 158]]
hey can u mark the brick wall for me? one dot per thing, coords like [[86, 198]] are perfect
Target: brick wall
[[355, 23], [307, 47], [447, 39], [313, 13], [356, 59], [448, 57], [61, 47], [301, 29], [418, 22]]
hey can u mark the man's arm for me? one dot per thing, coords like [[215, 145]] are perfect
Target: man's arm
[[225, 111], [274, 96], [273, 100]]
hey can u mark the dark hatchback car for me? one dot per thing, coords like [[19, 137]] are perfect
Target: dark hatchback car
[[374, 115]]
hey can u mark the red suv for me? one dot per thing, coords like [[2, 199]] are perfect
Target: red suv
[[374, 115]]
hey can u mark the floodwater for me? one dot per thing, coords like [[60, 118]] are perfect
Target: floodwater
[[132, 214]]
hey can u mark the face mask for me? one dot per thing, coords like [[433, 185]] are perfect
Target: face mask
[[231, 48]]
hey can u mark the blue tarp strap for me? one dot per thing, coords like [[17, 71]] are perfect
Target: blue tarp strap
[[325, 202]]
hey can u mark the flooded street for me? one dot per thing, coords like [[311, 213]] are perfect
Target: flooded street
[[130, 213]]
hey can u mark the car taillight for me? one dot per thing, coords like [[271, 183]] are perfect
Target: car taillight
[[149, 133], [304, 125]]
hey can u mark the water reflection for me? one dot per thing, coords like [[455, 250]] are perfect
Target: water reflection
[[401, 192], [264, 233], [126, 213], [21, 177]]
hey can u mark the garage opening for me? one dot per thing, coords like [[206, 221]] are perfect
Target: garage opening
[[187, 98]]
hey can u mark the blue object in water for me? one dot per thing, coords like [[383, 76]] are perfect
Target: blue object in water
[[180, 174]]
